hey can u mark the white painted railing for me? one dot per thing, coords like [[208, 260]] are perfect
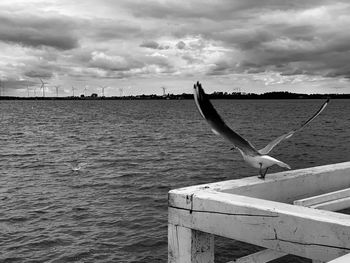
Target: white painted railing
[[261, 212]]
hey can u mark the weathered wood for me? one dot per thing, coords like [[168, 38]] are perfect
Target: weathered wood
[[310, 233], [189, 246], [282, 187], [334, 205], [260, 257], [343, 259], [319, 199], [333, 201], [327, 202], [246, 210]]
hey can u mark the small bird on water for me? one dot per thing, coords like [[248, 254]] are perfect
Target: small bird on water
[[76, 166], [255, 158]]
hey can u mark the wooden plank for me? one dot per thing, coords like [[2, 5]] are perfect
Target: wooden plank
[[334, 205], [333, 201], [290, 185], [260, 257], [314, 200], [189, 246], [317, 202], [296, 230], [343, 259], [282, 187]]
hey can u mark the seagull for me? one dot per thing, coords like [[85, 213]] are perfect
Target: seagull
[[255, 158], [76, 166]]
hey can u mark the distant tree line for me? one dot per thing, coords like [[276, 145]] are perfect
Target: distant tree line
[[186, 96]]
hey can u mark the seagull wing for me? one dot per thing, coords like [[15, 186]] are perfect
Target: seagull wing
[[218, 126], [276, 141]]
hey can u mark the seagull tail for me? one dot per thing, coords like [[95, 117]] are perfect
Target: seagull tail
[[282, 164]]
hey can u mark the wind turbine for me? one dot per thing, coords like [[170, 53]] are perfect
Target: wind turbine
[[237, 89], [121, 91], [85, 89], [2, 88], [73, 90], [57, 87], [103, 90], [164, 89], [43, 86], [34, 91], [27, 90]]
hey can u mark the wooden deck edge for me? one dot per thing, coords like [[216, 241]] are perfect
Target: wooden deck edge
[[282, 187]]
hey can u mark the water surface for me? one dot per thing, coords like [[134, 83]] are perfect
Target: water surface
[[115, 208]]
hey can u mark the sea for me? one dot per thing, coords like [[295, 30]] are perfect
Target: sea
[[113, 207]]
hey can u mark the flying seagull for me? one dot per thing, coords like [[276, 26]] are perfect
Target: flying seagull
[[255, 158], [76, 166]]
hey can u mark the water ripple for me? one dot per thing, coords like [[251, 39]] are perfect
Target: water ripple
[[115, 208]]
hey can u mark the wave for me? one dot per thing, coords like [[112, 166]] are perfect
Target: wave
[[115, 209]]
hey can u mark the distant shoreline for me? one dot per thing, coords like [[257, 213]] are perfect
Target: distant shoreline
[[185, 96]]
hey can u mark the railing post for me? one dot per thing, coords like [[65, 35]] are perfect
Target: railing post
[[186, 245]]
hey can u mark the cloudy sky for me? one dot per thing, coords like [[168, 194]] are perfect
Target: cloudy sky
[[139, 46]]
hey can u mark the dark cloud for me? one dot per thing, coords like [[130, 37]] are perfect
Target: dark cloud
[[109, 29], [36, 31], [131, 38], [321, 55], [180, 45], [17, 84], [214, 10], [290, 37], [39, 73], [153, 45], [39, 68], [222, 67], [150, 44]]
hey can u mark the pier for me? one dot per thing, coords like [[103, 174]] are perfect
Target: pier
[[295, 212]]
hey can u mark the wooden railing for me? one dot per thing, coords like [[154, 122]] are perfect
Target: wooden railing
[[271, 213]]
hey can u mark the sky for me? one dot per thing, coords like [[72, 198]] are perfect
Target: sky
[[132, 47]]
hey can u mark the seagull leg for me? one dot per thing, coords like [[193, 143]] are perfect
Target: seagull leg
[[261, 176], [261, 173]]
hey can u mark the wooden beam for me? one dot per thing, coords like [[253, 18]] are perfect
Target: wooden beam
[[331, 196], [302, 231], [260, 257], [334, 205], [189, 246], [333, 201], [282, 187], [343, 259]]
